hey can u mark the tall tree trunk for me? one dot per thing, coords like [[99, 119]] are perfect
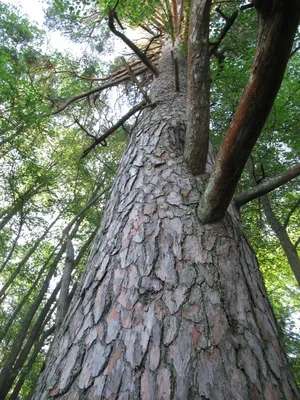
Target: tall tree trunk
[[22, 263], [289, 249], [36, 351], [62, 302], [65, 294], [34, 334], [14, 243], [10, 360], [167, 308], [33, 287], [10, 212]]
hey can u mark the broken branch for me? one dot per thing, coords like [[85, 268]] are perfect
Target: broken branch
[[133, 77], [111, 130], [137, 51], [83, 128]]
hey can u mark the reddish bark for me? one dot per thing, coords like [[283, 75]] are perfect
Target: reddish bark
[[278, 24]]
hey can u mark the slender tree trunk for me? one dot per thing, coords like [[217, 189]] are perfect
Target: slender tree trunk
[[16, 348], [289, 249], [36, 329], [33, 287], [10, 212], [19, 340], [7, 216], [14, 244], [34, 334], [167, 308], [22, 263], [36, 351], [62, 303]]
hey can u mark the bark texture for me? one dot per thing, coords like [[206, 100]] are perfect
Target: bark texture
[[168, 308], [197, 134]]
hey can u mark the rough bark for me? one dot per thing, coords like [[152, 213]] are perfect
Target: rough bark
[[278, 24], [289, 249], [167, 308]]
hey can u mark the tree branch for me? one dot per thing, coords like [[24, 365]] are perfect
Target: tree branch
[[197, 134], [278, 25], [290, 213], [266, 186], [229, 22], [97, 89], [83, 128], [95, 196], [246, 6], [137, 51], [294, 51], [115, 74], [134, 79], [111, 130], [150, 43]]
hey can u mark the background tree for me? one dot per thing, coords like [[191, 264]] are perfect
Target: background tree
[[45, 186]]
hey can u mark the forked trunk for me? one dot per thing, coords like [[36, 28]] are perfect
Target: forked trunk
[[167, 308]]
